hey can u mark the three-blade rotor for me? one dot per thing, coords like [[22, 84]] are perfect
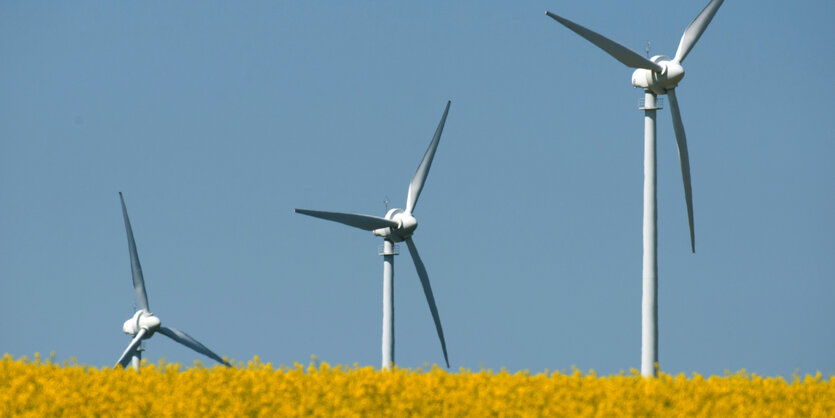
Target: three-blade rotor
[[146, 323], [666, 75], [399, 225]]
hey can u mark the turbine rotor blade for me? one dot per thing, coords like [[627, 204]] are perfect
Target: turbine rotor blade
[[135, 267], [619, 52], [419, 178], [684, 159], [427, 290], [366, 222], [134, 344], [189, 341], [695, 30]]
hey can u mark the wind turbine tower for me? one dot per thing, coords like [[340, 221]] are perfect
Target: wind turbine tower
[[397, 226], [657, 75], [144, 324]]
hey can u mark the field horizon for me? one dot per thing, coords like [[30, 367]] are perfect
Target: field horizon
[[39, 386]]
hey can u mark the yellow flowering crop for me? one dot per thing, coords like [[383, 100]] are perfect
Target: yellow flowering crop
[[44, 388]]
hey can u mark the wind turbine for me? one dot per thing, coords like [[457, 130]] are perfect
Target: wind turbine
[[658, 75], [397, 226], [143, 324]]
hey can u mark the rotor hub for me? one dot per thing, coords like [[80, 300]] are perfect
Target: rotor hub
[[142, 319], [406, 225], [659, 82]]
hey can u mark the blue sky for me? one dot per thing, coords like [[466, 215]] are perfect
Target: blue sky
[[216, 119]]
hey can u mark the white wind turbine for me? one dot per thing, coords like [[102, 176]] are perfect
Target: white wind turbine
[[658, 75], [397, 226], [143, 324]]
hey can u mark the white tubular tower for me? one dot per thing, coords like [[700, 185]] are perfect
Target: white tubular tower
[[649, 303], [388, 303]]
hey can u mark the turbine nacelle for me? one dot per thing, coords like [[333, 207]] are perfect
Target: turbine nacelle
[[142, 319], [406, 225], [659, 82]]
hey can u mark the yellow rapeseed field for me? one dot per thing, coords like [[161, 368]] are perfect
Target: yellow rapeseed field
[[41, 387]]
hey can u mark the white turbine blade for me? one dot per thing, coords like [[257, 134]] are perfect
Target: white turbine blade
[[684, 159], [366, 222], [423, 169], [695, 29], [134, 344], [427, 290], [135, 267], [621, 53], [189, 341]]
